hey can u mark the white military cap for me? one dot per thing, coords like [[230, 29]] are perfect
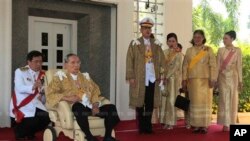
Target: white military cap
[[147, 22]]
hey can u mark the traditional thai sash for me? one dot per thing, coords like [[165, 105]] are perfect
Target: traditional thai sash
[[148, 55], [226, 60], [16, 110], [170, 57], [196, 59]]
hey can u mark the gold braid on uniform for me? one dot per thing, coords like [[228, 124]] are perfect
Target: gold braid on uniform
[[148, 55], [24, 68]]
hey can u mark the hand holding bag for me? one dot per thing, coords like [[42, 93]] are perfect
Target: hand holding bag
[[182, 102]]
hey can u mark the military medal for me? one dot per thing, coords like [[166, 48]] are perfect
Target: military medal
[[28, 79]]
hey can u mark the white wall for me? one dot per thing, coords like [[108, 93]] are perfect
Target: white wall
[[179, 20], [124, 36], [5, 61]]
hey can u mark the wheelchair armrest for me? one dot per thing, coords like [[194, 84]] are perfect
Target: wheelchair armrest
[[53, 115], [65, 115], [104, 101]]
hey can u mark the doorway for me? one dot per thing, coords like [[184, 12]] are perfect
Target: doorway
[[55, 38]]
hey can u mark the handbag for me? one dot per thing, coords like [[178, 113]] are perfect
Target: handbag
[[182, 102]]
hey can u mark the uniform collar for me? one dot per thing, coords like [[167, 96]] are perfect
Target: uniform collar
[[74, 76], [146, 41], [32, 71]]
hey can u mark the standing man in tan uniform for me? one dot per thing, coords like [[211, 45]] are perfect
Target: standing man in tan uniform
[[229, 63], [199, 77], [145, 59]]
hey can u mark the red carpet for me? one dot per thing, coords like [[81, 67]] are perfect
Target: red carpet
[[126, 131]]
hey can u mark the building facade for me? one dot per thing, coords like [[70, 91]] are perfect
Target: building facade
[[99, 31]]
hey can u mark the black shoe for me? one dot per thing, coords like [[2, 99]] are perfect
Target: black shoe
[[148, 131], [196, 130], [141, 131], [25, 137], [30, 137], [109, 139], [203, 131], [92, 138], [20, 138]]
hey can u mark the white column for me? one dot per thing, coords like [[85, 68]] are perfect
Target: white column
[[124, 36], [5, 61], [178, 19], [113, 55]]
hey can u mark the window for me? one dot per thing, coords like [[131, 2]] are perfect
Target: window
[[153, 9]]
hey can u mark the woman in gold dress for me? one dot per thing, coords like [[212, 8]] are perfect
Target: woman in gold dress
[[229, 63], [199, 77], [173, 63]]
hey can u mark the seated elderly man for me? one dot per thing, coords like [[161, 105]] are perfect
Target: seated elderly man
[[72, 86]]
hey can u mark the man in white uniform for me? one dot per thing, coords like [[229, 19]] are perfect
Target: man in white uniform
[[28, 113]]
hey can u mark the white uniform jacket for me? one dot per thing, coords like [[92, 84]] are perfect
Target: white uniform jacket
[[24, 81]]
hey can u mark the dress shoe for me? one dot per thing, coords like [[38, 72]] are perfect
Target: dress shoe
[[203, 130], [196, 130], [148, 131], [141, 131], [26, 138], [92, 138], [109, 139], [30, 137], [20, 138]]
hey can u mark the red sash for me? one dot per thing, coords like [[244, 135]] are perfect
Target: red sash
[[19, 114], [226, 61]]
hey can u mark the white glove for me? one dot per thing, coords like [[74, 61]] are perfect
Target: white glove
[[162, 87]]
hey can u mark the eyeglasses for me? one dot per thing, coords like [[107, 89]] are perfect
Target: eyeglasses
[[74, 63], [37, 61]]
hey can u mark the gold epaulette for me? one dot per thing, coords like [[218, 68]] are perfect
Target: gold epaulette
[[135, 42], [24, 68]]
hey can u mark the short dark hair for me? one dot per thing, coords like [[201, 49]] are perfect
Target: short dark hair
[[170, 35], [32, 54], [68, 56], [179, 45], [201, 32], [232, 34]]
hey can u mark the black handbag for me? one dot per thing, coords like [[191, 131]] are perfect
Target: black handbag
[[182, 102]]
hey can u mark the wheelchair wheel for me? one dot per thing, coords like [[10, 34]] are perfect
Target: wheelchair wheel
[[49, 134]]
